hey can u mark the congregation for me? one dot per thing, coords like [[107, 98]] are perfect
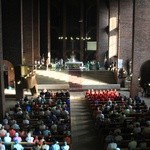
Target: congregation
[[121, 122], [41, 123]]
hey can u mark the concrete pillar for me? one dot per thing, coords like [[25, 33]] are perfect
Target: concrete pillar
[[48, 32], [141, 44], [12, 39], [27, 31], [113, 28], [2, 97], [102, 30], [125, 31], [19, 84], [11, 31], [36, 30], [44, 29], [81, 31], [64, 30]]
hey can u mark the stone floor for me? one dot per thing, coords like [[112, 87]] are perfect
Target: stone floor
[[82, 125]]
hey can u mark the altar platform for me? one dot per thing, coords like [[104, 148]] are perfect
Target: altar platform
[[76, 80], [72, 80], [77, 65]]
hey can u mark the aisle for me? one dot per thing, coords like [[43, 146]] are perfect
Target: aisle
[[82, 127]]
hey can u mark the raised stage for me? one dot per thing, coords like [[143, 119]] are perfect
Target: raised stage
[[73, 80], [76, 79]]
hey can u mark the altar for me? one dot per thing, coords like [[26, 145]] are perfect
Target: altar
[[77, 65], [73, 64]]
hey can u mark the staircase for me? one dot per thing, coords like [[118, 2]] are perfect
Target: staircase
[[102, 79], [86, 80], [102, 76]]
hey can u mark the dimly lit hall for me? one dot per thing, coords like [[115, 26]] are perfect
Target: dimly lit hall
[[74, 74]]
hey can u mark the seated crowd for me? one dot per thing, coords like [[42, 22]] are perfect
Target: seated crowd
[[121, 122], [44, 122]]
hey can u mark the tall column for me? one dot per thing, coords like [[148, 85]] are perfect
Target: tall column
[[102, 30], [36, 30], [11, 31], [2, 97], [12, 50], [64, 29], [26, 31], [81, 30], [44, 27], [141, 44], [18, 82], [125, 31], [113, 28], [49, 32]]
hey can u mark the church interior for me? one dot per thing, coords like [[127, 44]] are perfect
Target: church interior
[[75, 74]]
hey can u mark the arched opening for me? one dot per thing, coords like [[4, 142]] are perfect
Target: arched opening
[[145, 77], [9, 75]]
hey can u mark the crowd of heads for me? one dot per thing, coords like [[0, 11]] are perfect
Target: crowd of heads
[[38, 120], [118, 118]]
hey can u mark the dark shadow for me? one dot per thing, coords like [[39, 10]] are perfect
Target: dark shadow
[[145, 77]]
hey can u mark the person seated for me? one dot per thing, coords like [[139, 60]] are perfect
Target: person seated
[[46, 131], [143, 143], [65, 146], [5, 121], [47, 94], [26, 122], [2, 131], [67, 94], [22, 133], [54, 128], [2, 146], [112, 145], [12, 132], [109, 137], [17, 146], [132, 144], [41, 112], [146, 129], [36, 139], [37, 131], [55, 145], [42, 126], [37, 146], [42, 140], [137, 129], [29, 138], [65, 113], [47, 111], [118, 138], [7, 138], [19, 111], [17, 138], [45, 146], [6, 126], [42, 92], [15, 126]]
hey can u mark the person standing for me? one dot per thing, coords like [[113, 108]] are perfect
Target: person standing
[[47, 63]]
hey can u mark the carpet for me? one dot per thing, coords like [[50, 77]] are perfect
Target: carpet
[[75, 80]]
